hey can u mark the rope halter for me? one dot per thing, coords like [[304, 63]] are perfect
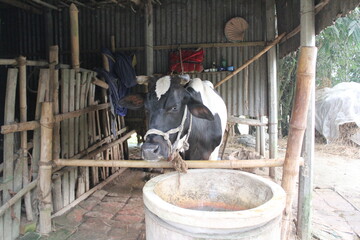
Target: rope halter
[[180, 145]]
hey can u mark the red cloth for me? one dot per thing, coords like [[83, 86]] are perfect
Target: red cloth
[[192, 61]]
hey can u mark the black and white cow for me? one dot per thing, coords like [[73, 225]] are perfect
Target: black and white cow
[[184, 115]]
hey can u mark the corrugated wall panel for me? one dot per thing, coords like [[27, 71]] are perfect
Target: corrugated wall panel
[[200, 21], [175, 22]]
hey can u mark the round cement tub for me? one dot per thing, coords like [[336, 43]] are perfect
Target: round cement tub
[[212, 204]]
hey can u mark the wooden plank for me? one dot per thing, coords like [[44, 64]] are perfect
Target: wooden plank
[[8, 172], [44, 75]]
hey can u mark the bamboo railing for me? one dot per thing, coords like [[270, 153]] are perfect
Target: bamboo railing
[[74, 129]]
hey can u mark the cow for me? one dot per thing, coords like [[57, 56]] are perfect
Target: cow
[[184, 115]]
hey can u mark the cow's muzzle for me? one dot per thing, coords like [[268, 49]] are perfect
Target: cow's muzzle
[[154, 150]]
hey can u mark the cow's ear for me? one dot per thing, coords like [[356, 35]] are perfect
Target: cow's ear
[[200, 110], [132, 101]]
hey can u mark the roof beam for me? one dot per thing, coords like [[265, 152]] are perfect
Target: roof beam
[[22, 5], [46, 4]]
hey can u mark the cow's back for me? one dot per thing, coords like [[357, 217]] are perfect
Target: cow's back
[[207, 135]]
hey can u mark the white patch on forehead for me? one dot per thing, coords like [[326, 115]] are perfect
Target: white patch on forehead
[[162, 86]]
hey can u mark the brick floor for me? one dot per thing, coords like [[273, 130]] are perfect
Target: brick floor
[[113, 213]]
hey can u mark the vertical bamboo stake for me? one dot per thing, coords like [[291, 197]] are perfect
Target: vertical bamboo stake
[[81, 188], [304, 214], [272, 83], [8, 171], [305, 77], [54, 79], [23, 118], [65, 78], [46, 121], [74, 31], [57, 196], [43, 78], [72, 173]]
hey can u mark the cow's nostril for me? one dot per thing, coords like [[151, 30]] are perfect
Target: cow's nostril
[[157, 149]]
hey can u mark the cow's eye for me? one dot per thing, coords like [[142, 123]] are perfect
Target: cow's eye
[[173, 109]]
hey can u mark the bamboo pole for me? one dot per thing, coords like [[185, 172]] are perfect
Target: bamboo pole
[[45, 199], [8, 172], [99, 83], [272, 84], [17, 197], [304, 214], [251, 163], [71, 134], [305, 77], [65, 181], [74, 32], [43, 78], [24, 147], [257, 56], [32, 125]]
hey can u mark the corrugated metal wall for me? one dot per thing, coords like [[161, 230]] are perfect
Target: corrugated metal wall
[[203, 21], [178, 22], [175, 22]]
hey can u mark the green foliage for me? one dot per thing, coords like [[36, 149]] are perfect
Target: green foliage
[[339, 51], [338, 61]]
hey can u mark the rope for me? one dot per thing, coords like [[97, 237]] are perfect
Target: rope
[[178, 163]]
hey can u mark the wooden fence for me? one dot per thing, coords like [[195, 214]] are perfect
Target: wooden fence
[[82, 127]]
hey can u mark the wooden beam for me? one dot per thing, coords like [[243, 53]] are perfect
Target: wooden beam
[[99, 83], [257, 56], [18, 196], [251, 163], [31, 125], [45, 4], [22, 5], [246, 121]]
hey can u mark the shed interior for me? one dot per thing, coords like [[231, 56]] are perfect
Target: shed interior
[[38, 76]]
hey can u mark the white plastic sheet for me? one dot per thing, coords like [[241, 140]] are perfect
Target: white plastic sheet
[[336, 106]]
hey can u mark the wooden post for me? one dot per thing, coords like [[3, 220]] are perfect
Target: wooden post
[[272, 83], [304, 214], [8, 172], [24, 153], [149, 38], [45, 206], [304, 83], [74, 32]]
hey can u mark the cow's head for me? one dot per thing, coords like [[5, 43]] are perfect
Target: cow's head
[[168, 105]]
